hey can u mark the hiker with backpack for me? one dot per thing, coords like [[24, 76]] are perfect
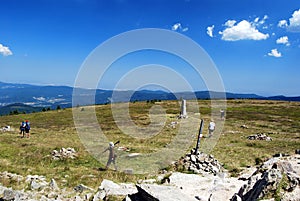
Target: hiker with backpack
[[22, 128], [27, 128]]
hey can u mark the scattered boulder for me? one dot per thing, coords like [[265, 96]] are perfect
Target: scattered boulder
[[80, 188], [9, 194], [53, 185], [6, 129], [36, 182], [259, 136], [173, 124], [11, 176], [64, 153], [244, 126]]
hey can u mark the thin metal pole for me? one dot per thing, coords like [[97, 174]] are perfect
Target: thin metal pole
[[199, 136]]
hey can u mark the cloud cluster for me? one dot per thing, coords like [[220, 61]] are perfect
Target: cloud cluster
[[244, 30], [5, 51], [178, 27], [294, 22], [233, 30], [274, 53], [283, 40]]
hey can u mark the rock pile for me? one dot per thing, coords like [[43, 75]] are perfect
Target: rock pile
[[199, 163], [259, 136], [64, 153]]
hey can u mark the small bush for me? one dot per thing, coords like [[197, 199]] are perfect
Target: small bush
[[258, 161]]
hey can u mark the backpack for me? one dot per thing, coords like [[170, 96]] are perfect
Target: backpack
[[28, 126]]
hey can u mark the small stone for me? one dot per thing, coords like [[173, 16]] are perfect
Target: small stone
[[193, 158], [53, 185], [8, 194]]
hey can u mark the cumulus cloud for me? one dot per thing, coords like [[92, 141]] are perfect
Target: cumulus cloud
[[210, 30], [294, 22], [179, 27], [243, 30], [282, 23], [5, 51], [274, 53], [283, 40]]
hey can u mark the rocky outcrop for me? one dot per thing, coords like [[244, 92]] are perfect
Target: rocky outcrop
[[199, 163], [278, 177], [189, 187]]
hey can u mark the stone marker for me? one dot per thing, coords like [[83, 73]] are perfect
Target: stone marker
[[183, 113]]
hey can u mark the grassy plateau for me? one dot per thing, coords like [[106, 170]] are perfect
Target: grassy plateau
[[55, 129]]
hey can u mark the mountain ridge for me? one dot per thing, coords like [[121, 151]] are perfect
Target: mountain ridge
[[53, 96]]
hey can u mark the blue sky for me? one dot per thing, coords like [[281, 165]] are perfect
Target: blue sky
[[255, 44]]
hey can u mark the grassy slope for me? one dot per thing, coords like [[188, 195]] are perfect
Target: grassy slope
[[55, 129]]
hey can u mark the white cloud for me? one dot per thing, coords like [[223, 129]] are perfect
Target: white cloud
[[263, 20], [294, 22], [39, 98], [176, 26], [230, 23], [185, 29], [282, 23], [258, 22], [283, 40], [210, 30], [274, 53], [243, 30], [5, 51], [179, 27]]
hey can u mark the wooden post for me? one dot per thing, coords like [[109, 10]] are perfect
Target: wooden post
[[199, 136]]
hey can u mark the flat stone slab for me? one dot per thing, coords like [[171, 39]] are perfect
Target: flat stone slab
[[162, 193], [206, 187], [112, 188]]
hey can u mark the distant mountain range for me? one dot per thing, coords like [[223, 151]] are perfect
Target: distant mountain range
[[52, 96]]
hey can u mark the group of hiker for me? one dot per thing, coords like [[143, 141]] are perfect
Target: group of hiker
[[25, 129]]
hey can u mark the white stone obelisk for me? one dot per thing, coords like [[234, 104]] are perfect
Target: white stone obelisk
[[183, 113]]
